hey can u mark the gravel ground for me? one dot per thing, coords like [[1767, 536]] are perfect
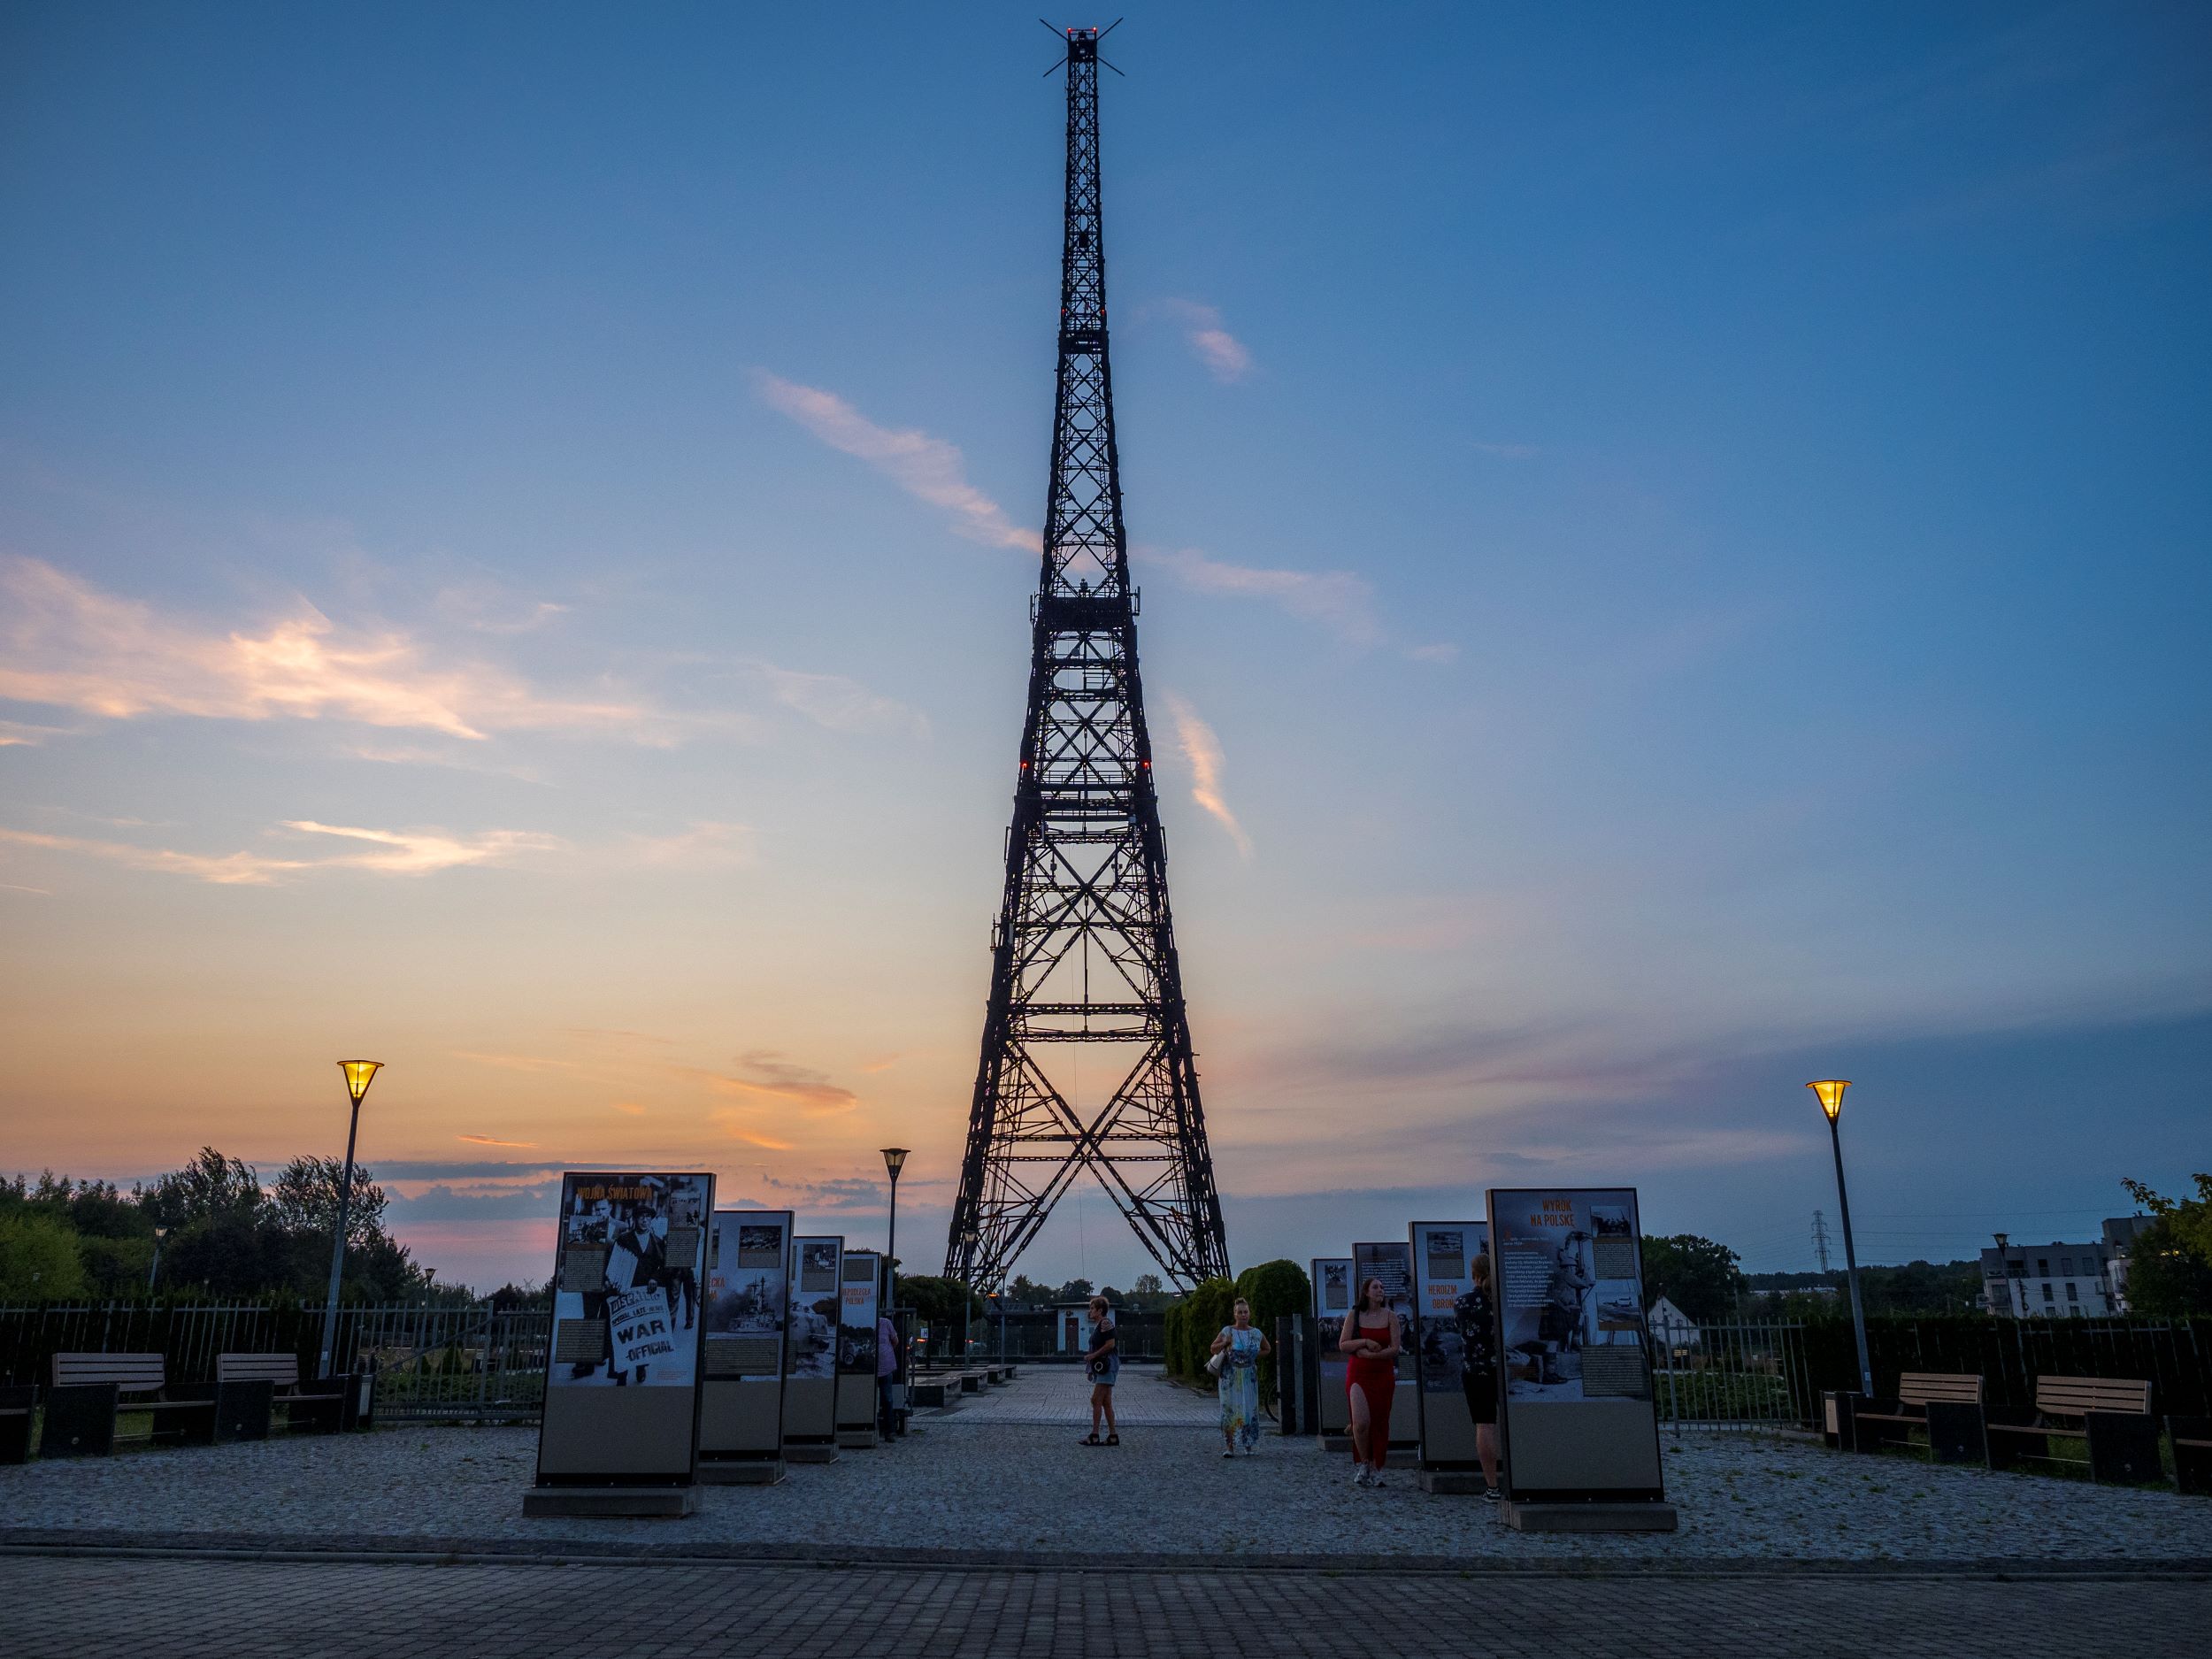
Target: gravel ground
[[980, 1479]]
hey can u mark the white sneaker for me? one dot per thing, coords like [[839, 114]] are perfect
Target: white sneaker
[[1375, 1479], [1359, 1475]]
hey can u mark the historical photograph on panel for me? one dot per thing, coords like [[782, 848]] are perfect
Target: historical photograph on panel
[[746, 1296], [625, 1287], [1332, 1289], [1393, 1264], [1571, 1295], [1443, 1261], [815, 1309]]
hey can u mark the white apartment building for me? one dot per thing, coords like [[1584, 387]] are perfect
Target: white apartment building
[[2047, 1281]]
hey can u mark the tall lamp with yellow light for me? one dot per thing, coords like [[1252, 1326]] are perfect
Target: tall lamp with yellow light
[[359, 1073], [1830, 1091]]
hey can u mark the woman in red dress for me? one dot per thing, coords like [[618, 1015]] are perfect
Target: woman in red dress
[[1370, 1340]]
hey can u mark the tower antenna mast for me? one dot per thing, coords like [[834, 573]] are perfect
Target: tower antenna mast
[[1083, 952]]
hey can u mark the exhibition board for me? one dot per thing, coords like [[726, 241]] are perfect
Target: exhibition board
[[1577, 1414], [859, 1276], [622, 1368], [810, 1389], [1331, 1300], [748, 1308], [1444, 1253]]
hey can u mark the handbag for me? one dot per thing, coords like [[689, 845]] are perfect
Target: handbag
[[1214, 1365]]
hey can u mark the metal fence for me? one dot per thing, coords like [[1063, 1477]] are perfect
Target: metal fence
[[1732, 1376]]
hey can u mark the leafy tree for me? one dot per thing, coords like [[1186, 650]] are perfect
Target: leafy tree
[[1074, 1290], [39, 1259], [305, 1200], [211, 1187], [939, 1300], [1697, 1275], [2166, 1275], [1026, 1293]]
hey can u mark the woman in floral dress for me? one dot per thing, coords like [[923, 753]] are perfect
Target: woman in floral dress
[[1240, 1348]]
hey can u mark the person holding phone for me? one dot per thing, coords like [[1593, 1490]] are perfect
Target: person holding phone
[[1101, 1362]]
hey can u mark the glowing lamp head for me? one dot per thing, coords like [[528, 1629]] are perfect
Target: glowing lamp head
[[1831, 1093], [357, 1075], [894, 1161]]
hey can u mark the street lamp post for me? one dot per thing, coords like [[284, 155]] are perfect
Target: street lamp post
[[161, 1237], [359, 1073], [1830, 1091], [894, 1161], [969, 1239]]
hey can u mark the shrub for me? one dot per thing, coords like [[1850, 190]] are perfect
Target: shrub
[[1274, 1289], [1205, 1311]]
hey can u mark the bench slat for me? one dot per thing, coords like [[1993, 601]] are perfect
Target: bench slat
[[280, 1369], [2070, 1396], [1919, 1388], [132, 1373]]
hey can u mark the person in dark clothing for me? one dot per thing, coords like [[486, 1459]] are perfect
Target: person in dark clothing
[[1477, 1317]]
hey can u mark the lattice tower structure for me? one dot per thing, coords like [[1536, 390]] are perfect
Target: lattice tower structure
[[1085, 984]]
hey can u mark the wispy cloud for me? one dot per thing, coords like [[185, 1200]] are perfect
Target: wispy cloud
[[931, 469], [1202, 751], [487, 1140], [70, 645], [703, 845], [1340, 600], [400, 853], [17, 734], [928, 468], [766, 1074], [1224, 356], [842, 704]]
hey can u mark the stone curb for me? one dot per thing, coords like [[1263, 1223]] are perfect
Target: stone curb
[[394, 1551]]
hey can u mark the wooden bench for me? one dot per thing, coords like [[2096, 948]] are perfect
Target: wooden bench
[[250, 1388], [2193, 1453], [2112, 1414], [91, 1390], [15, 1405], [1946, 1406]]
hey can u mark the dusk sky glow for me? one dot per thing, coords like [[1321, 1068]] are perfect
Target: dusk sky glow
[[1674, 558]]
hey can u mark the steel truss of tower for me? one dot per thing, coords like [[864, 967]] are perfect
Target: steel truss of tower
[[1085, 984]]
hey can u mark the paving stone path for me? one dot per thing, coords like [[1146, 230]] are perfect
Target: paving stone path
[[236, 1609], [1000, 1480], [1043, 1395]]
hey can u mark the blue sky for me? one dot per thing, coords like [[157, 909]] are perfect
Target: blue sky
[[1674, 551]]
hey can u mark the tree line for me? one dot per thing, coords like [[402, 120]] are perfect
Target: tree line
[[213, 1228]]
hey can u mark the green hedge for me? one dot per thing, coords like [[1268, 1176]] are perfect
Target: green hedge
[[1191, 1335], [1274, 1289]]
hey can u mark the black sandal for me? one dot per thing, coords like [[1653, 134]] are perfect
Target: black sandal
[[1091, 1440], [1113, 1440]]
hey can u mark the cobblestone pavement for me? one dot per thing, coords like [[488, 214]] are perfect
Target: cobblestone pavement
[[1061, 1393], [179, 1610], [1025, 1493]]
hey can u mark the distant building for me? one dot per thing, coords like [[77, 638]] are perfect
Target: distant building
[[2119, 1240], [2049, 1282], [1670, 1325]]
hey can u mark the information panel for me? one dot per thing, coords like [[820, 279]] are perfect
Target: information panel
[[1578, 1413], [622, 1368], [748, 1302], [856, 1348], [1444, 1307], [810, 1398], [1391, 1262], [1331, 1300]]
